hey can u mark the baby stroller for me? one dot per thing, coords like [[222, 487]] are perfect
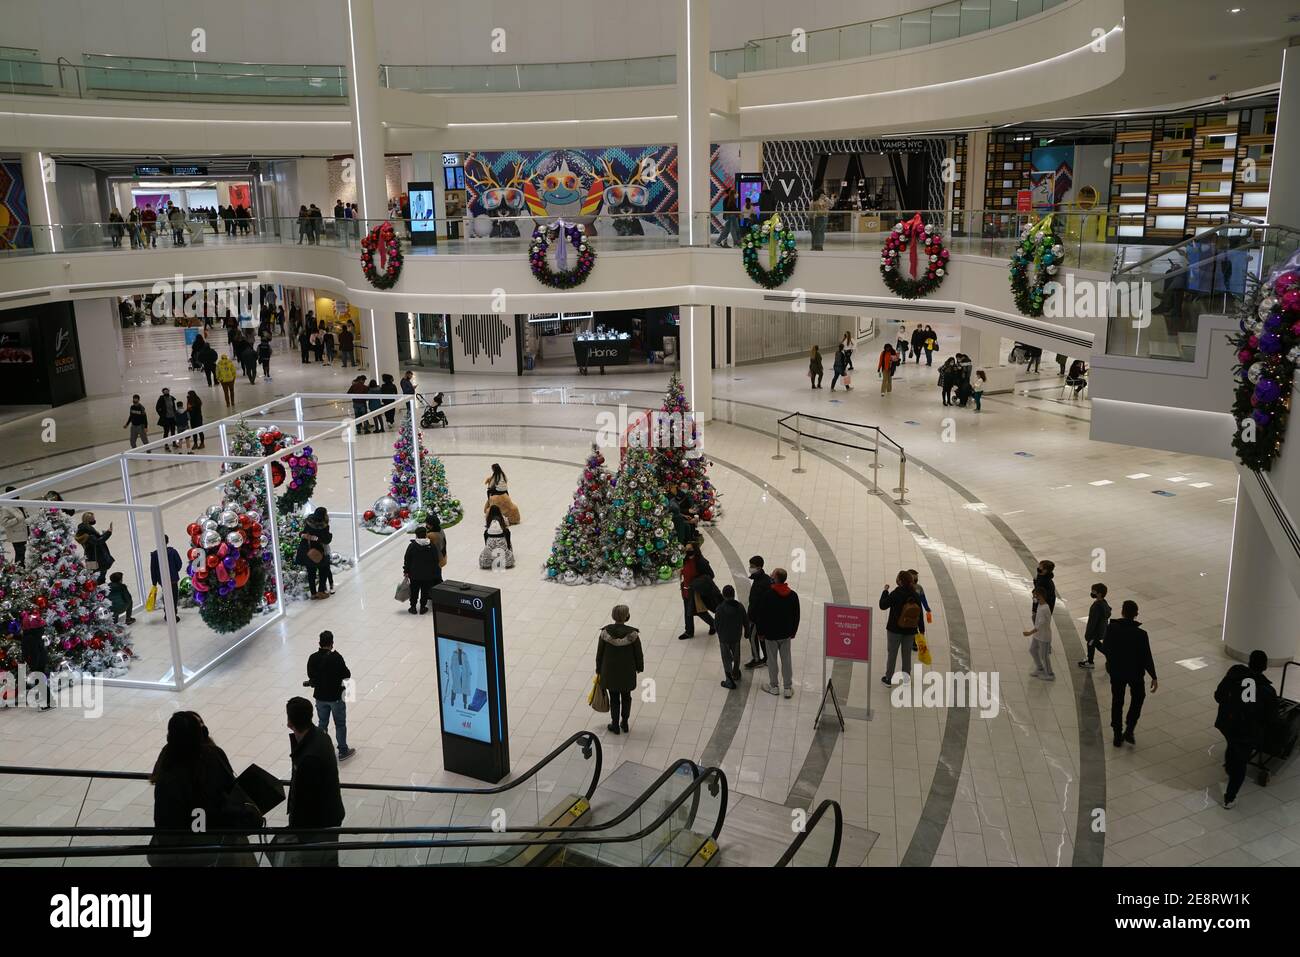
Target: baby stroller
[[432, 412]]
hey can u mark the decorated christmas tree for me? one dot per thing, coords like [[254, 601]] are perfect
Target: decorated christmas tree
[[391, 511], [78, 617], [227, 570], [576, 556], [17, 605], [679, 461], [637, 542], [295, 474]]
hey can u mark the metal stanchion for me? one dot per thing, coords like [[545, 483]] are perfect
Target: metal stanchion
[[778, 457], [798, 424], [875, 466], [902, 481]]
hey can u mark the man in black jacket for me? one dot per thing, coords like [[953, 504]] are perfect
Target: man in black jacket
[[760, 587], [730, 619], [1098, 617], [326, 672], [315, 798], [1128, 659], [422, 565], [174, 566], [781, 608], [1247, 713]]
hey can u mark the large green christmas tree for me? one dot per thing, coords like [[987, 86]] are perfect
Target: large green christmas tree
[[576, 557], [637, 542], [679, 461], [390, 511]]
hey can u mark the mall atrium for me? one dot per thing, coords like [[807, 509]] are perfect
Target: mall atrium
[[880, 407]]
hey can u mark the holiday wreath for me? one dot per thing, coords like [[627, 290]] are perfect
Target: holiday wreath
[[1268, 351], [563, 276], [781, 254], [1040, 248], [383, 240], [913, 236]]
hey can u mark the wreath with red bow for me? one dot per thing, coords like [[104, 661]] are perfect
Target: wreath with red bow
[[383, 240], [915, 237]]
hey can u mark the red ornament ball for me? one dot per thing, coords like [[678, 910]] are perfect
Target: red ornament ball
[[404, 512], [395, 522], [368, 515]]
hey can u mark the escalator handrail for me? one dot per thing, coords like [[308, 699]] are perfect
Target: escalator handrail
[[817, 815], [712, 776], [106, 831], [587, 737]]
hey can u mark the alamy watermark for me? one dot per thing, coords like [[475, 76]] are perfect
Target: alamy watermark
[[194, 299], [951, 689], [33, 690], [1077, 298], [648, 430]]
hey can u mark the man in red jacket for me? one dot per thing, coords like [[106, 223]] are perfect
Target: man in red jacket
[[780, 622], [695, 566]]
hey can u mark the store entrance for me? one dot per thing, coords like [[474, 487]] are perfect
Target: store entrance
[[582, 343]]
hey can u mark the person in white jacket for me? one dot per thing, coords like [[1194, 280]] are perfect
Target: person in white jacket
[[1040, 638], [13, 519]]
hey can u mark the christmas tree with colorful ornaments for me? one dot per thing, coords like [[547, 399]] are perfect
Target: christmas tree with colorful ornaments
[[679, 459], [637, 543], [576, 557], [393, 510]]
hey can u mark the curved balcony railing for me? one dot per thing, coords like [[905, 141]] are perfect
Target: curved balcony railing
[[965, 232]]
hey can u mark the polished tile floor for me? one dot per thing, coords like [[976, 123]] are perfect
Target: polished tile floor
[[986, 495]]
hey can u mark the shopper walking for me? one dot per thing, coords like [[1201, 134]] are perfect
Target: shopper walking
[[846, 341], [183, 426], [918, 342], [375, 404], [1098, 617], [1128, 660], [133, 227], [886, 366], [839, 368], [194, 408], [730, 223], [358, 388], [408, 383], [781, 624], [931, 345], [174, 566], [820, 217], [318, 347], [1040, 639], [731, 621], [225, 374], [695, 566], [1045, 581], [326, 674], [815, 367], [619, 660], [137, 420], [264, 357], [13, 520], [304, 345], [95, 545], [902, 624], [901, 341], [1247, 716], [977, 388], [947, 379], [327, 340], [248, 359], [315, 798], [422, 565], [347, 344], [165, 408], [313, 552], [760, 586], [390, 388], [304, 225]]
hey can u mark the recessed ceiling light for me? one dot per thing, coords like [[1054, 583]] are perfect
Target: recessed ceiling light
[[1234, 9], [1140, 475], [1102, 482]]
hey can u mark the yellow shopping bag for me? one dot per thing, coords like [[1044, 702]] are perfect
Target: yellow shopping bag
[[598, 698], [151, 602], [923, 651]]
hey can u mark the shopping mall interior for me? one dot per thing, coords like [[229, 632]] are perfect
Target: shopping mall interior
[[880, 407]]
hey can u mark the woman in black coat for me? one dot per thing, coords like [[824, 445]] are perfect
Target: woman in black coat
[[618, 661], [95, 543], [316, 536]]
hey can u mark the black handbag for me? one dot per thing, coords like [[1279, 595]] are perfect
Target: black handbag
[[261, 787]]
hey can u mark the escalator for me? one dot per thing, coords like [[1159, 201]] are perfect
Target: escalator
[[551, 815]]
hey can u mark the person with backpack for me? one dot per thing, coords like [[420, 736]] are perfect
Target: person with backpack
[[1128, 660], [901, 626], [760, 587], [695, 566], [731, 620], [1095, 630], [1248, 708]]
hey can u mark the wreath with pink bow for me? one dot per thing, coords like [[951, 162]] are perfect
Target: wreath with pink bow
[[382, 240], [927, 259]]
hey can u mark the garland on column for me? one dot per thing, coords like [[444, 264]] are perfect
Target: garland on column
[[75, 611], [678, 458], [781, 253], [912, 236], [637, 542], [390, 512], [576, 557], [1040, 248], [1268, 352]]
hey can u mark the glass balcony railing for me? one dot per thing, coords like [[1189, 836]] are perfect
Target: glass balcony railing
[[945, 21], [1157, 300]]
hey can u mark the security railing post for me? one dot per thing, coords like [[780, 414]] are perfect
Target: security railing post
[[902, 480], [798, 425], [875, 465], [778, 457]]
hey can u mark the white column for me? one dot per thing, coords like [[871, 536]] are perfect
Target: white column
[[977, 149], [697, 372], [363, 97], [1262, 607], [982, 347], [693, 121], [99, 339], [312, 186], [1283, 190], [42, 204], [379, 333]]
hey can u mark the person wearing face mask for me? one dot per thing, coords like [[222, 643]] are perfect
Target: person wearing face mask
[[1044, 581], [1098, 617], [315, 798], [695, 566], [760, 586]]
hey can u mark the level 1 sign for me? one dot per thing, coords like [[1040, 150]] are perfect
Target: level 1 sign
[[848, 632]]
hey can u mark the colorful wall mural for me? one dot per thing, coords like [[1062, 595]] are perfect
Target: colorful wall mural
[[13, 208], [614, 190]]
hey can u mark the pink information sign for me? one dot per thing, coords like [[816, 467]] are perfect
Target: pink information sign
[[848, 632]]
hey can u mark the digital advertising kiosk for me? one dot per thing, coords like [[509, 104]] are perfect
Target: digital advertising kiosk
[[470, 652]]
